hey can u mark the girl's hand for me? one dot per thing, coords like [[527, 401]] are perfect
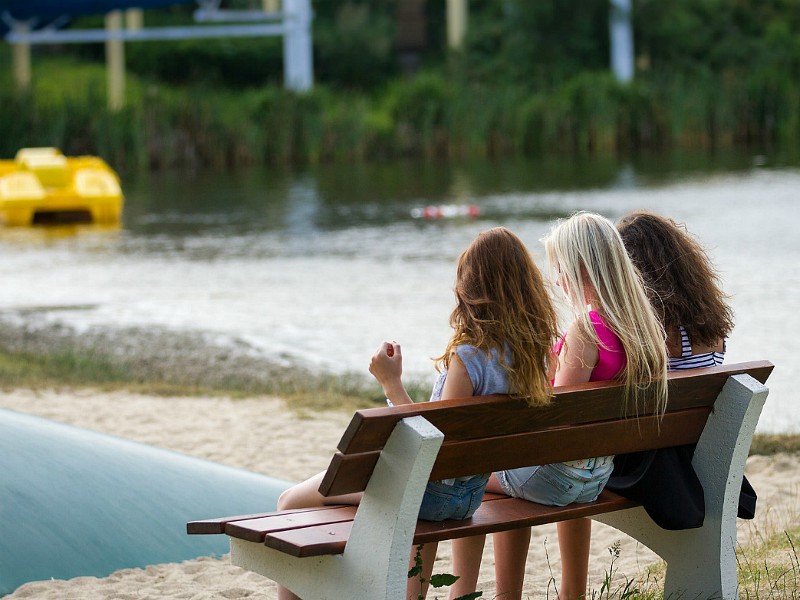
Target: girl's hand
[[387, 367], [387, 363]]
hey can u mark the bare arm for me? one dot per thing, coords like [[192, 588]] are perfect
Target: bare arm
[[387, 367], [578, 359], [457, 384]]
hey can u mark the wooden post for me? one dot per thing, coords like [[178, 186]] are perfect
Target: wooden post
[[456, 23], [134, 19], [22, 61], [115, 62], [271, 5]]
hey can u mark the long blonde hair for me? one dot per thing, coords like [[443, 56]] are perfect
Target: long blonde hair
[[502, 303], [590, 257]]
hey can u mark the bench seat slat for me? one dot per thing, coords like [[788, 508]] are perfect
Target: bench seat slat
[[311, 541], [480, 416], [512, 513], [499, 513], [254, 530], [212, 526], [350, 473], [216, 526]]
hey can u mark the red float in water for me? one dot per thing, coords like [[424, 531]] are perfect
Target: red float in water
[[446, 211]]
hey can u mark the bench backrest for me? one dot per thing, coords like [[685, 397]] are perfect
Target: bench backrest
[[491, 433]]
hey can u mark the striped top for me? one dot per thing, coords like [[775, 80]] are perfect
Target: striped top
[[687, 360]]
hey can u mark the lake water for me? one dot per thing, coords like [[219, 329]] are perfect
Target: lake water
[[318, 267]]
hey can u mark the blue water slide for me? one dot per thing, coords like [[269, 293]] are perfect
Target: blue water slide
[[75, 502], [50, 9]]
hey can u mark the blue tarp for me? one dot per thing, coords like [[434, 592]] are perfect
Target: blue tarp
[[50, 9], [75, 502]]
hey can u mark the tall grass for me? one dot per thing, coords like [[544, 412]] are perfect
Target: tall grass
[[767, 569], [427, 115]]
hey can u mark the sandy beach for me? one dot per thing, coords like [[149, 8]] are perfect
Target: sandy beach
[[301, 444]]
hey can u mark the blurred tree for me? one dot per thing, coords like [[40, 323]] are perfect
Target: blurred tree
[[354, 42], [535, 43]]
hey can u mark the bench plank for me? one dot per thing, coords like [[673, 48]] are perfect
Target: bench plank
[[512, 513], [254, 530], [311, 541], [351, 473], [497, 514], [216, 526], [490, 417], [479, 416]]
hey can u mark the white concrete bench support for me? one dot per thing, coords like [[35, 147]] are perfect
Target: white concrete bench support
[[701, 563], [375, 561]]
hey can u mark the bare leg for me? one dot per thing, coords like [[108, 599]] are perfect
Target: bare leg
[[285, 594], [510, 556], [467, 555], [416, 589], [306, 495], [574, 537]]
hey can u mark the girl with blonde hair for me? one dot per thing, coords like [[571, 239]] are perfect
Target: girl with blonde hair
[[504, 326], [614, 334]]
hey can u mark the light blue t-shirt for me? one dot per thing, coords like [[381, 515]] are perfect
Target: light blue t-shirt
[[485, 371], [486, 374]]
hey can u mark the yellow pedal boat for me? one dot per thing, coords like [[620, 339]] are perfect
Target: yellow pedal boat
[[42, 186]]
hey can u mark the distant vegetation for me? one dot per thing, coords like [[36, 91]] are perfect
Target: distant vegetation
[[531, 79]]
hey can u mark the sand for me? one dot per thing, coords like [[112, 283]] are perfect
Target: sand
[[301, 444]]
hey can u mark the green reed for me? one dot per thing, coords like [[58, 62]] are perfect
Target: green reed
[[427, 116]]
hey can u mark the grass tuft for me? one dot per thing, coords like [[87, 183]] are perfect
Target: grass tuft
[[169, 363]]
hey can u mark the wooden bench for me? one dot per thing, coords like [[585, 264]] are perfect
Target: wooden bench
[[391, 453]]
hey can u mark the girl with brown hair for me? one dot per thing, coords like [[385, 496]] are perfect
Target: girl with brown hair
[[686, 294], [683, 288], [504, 326]]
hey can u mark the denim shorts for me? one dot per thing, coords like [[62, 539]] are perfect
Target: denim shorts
[[457, 501], [557, 484]]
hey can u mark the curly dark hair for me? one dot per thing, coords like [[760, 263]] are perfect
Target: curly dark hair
[[683, 286]]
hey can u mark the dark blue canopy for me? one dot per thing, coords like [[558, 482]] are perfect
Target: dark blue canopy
[[51, 9]]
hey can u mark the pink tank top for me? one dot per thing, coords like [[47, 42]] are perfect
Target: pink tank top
[[611, 358], [611, 361]]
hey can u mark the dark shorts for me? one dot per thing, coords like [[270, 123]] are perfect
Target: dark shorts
[[458, 501]]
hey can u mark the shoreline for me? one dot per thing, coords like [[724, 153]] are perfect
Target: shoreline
[[174, 362], [301, 443], [147, 352]]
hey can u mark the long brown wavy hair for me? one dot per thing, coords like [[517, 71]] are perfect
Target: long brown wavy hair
[[502, 303], [682, 284]]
